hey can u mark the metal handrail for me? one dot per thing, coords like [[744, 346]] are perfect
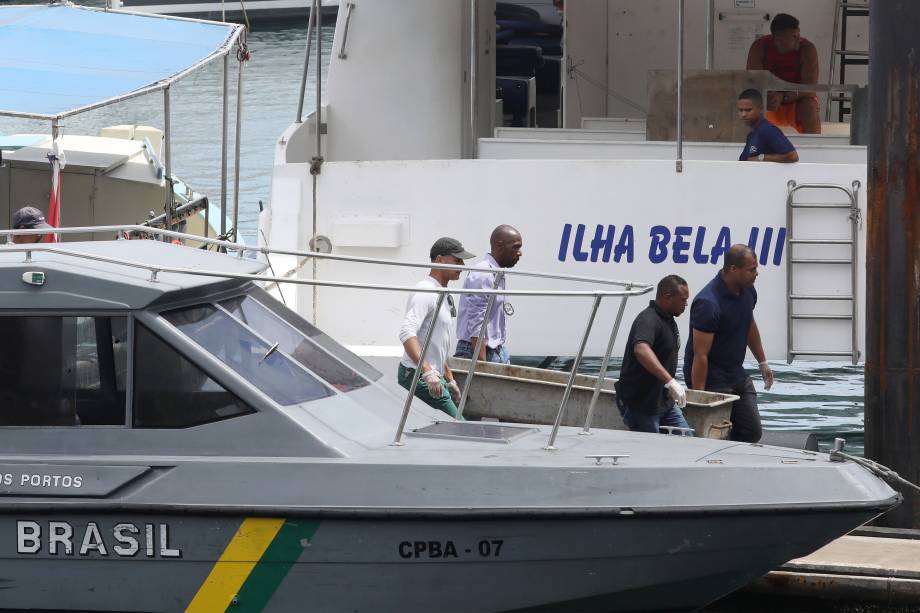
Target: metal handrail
[[602, 375], [306, 63], [241, 249], [397, 440], [854, 216], [155, 270], [550, 445], [349, 7], [598, 296], [483, 329]]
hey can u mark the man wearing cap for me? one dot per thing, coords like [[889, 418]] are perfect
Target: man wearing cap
[[504, 252], [436, 386], [29, 218]]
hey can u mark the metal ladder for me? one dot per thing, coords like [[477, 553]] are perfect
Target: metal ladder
[[794, 261], [843, 10]]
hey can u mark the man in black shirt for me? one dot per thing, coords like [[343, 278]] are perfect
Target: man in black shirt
[[648, 396]]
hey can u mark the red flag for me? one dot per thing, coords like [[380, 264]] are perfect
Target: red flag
[[56, 157]]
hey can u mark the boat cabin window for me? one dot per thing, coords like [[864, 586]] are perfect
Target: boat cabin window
[[294, 343], [171, 392], [264, 299], [63, 371], [256, 360]]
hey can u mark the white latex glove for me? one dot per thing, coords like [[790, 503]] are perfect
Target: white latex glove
[[454, 390], [433, 381], [677, 393], [767, 375]]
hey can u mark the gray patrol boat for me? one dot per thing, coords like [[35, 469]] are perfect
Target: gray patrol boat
[[175, 439]]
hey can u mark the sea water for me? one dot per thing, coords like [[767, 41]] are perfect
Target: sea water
[[821, 397]]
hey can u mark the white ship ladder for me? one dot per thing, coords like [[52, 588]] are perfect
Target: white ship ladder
[[822, 278]]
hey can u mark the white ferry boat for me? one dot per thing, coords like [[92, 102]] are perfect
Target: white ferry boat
[[412, 146]]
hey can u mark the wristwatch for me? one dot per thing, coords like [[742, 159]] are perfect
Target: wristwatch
[[760, 157]]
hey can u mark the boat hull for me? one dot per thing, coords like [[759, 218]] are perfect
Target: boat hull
[[623, 562]]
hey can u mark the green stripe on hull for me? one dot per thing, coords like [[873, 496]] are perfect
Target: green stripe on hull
[[273, 566]]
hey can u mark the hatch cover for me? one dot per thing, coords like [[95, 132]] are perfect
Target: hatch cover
[[464, 430]]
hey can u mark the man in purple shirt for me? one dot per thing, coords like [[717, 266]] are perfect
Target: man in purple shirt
[[505, 244]]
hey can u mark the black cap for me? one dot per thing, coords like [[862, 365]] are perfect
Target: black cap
[[28, 217], [449, 246]]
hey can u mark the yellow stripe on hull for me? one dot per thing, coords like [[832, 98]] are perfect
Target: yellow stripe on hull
[[239, 558]]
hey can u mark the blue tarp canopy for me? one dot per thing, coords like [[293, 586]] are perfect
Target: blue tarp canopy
[[58, 60]]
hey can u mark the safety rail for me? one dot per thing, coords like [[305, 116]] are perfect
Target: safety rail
[[626, 290], [851, 208], [241, 249]]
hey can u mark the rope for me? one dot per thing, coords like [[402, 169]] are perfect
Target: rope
[[877, 469], [245, 16], [574, 70]]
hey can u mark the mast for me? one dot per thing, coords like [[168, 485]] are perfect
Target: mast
[[893, 250]]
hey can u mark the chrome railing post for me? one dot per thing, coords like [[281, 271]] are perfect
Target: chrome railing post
[[418, 371], [679, 166], [306, 62], [790, 290], [602, 375], [571, 381], [854, 268], [242, 58], [483, 329], [349, 8]]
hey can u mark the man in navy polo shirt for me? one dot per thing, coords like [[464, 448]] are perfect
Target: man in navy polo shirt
[[765, 142], [722, 328]]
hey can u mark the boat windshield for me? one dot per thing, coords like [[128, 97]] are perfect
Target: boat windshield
[[314, 334], [294, 342], [256, 359]]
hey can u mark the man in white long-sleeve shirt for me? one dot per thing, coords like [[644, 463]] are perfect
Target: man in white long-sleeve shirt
[[436, 386]]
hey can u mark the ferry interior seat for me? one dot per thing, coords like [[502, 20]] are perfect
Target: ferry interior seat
[[518, 101], [516, 69], [515, 12], [549, 93], [530, 47], [518, 60]]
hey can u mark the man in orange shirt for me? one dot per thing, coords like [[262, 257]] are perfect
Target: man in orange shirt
[[791, 58]]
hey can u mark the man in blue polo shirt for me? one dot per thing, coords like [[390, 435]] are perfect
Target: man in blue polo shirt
[[765, 142], [722, 328]]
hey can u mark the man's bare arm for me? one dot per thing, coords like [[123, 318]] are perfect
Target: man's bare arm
[[810, 72], [792, 156], [649, 361], [702, 344], [414, 350], [755, 343], [482, 351]]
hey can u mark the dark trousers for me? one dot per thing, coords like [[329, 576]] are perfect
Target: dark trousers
[[745, 415]]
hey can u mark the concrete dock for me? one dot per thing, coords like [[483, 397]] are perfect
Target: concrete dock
[[854, 568]]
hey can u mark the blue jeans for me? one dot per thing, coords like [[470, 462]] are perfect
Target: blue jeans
[[498, 355], [643, 422]]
